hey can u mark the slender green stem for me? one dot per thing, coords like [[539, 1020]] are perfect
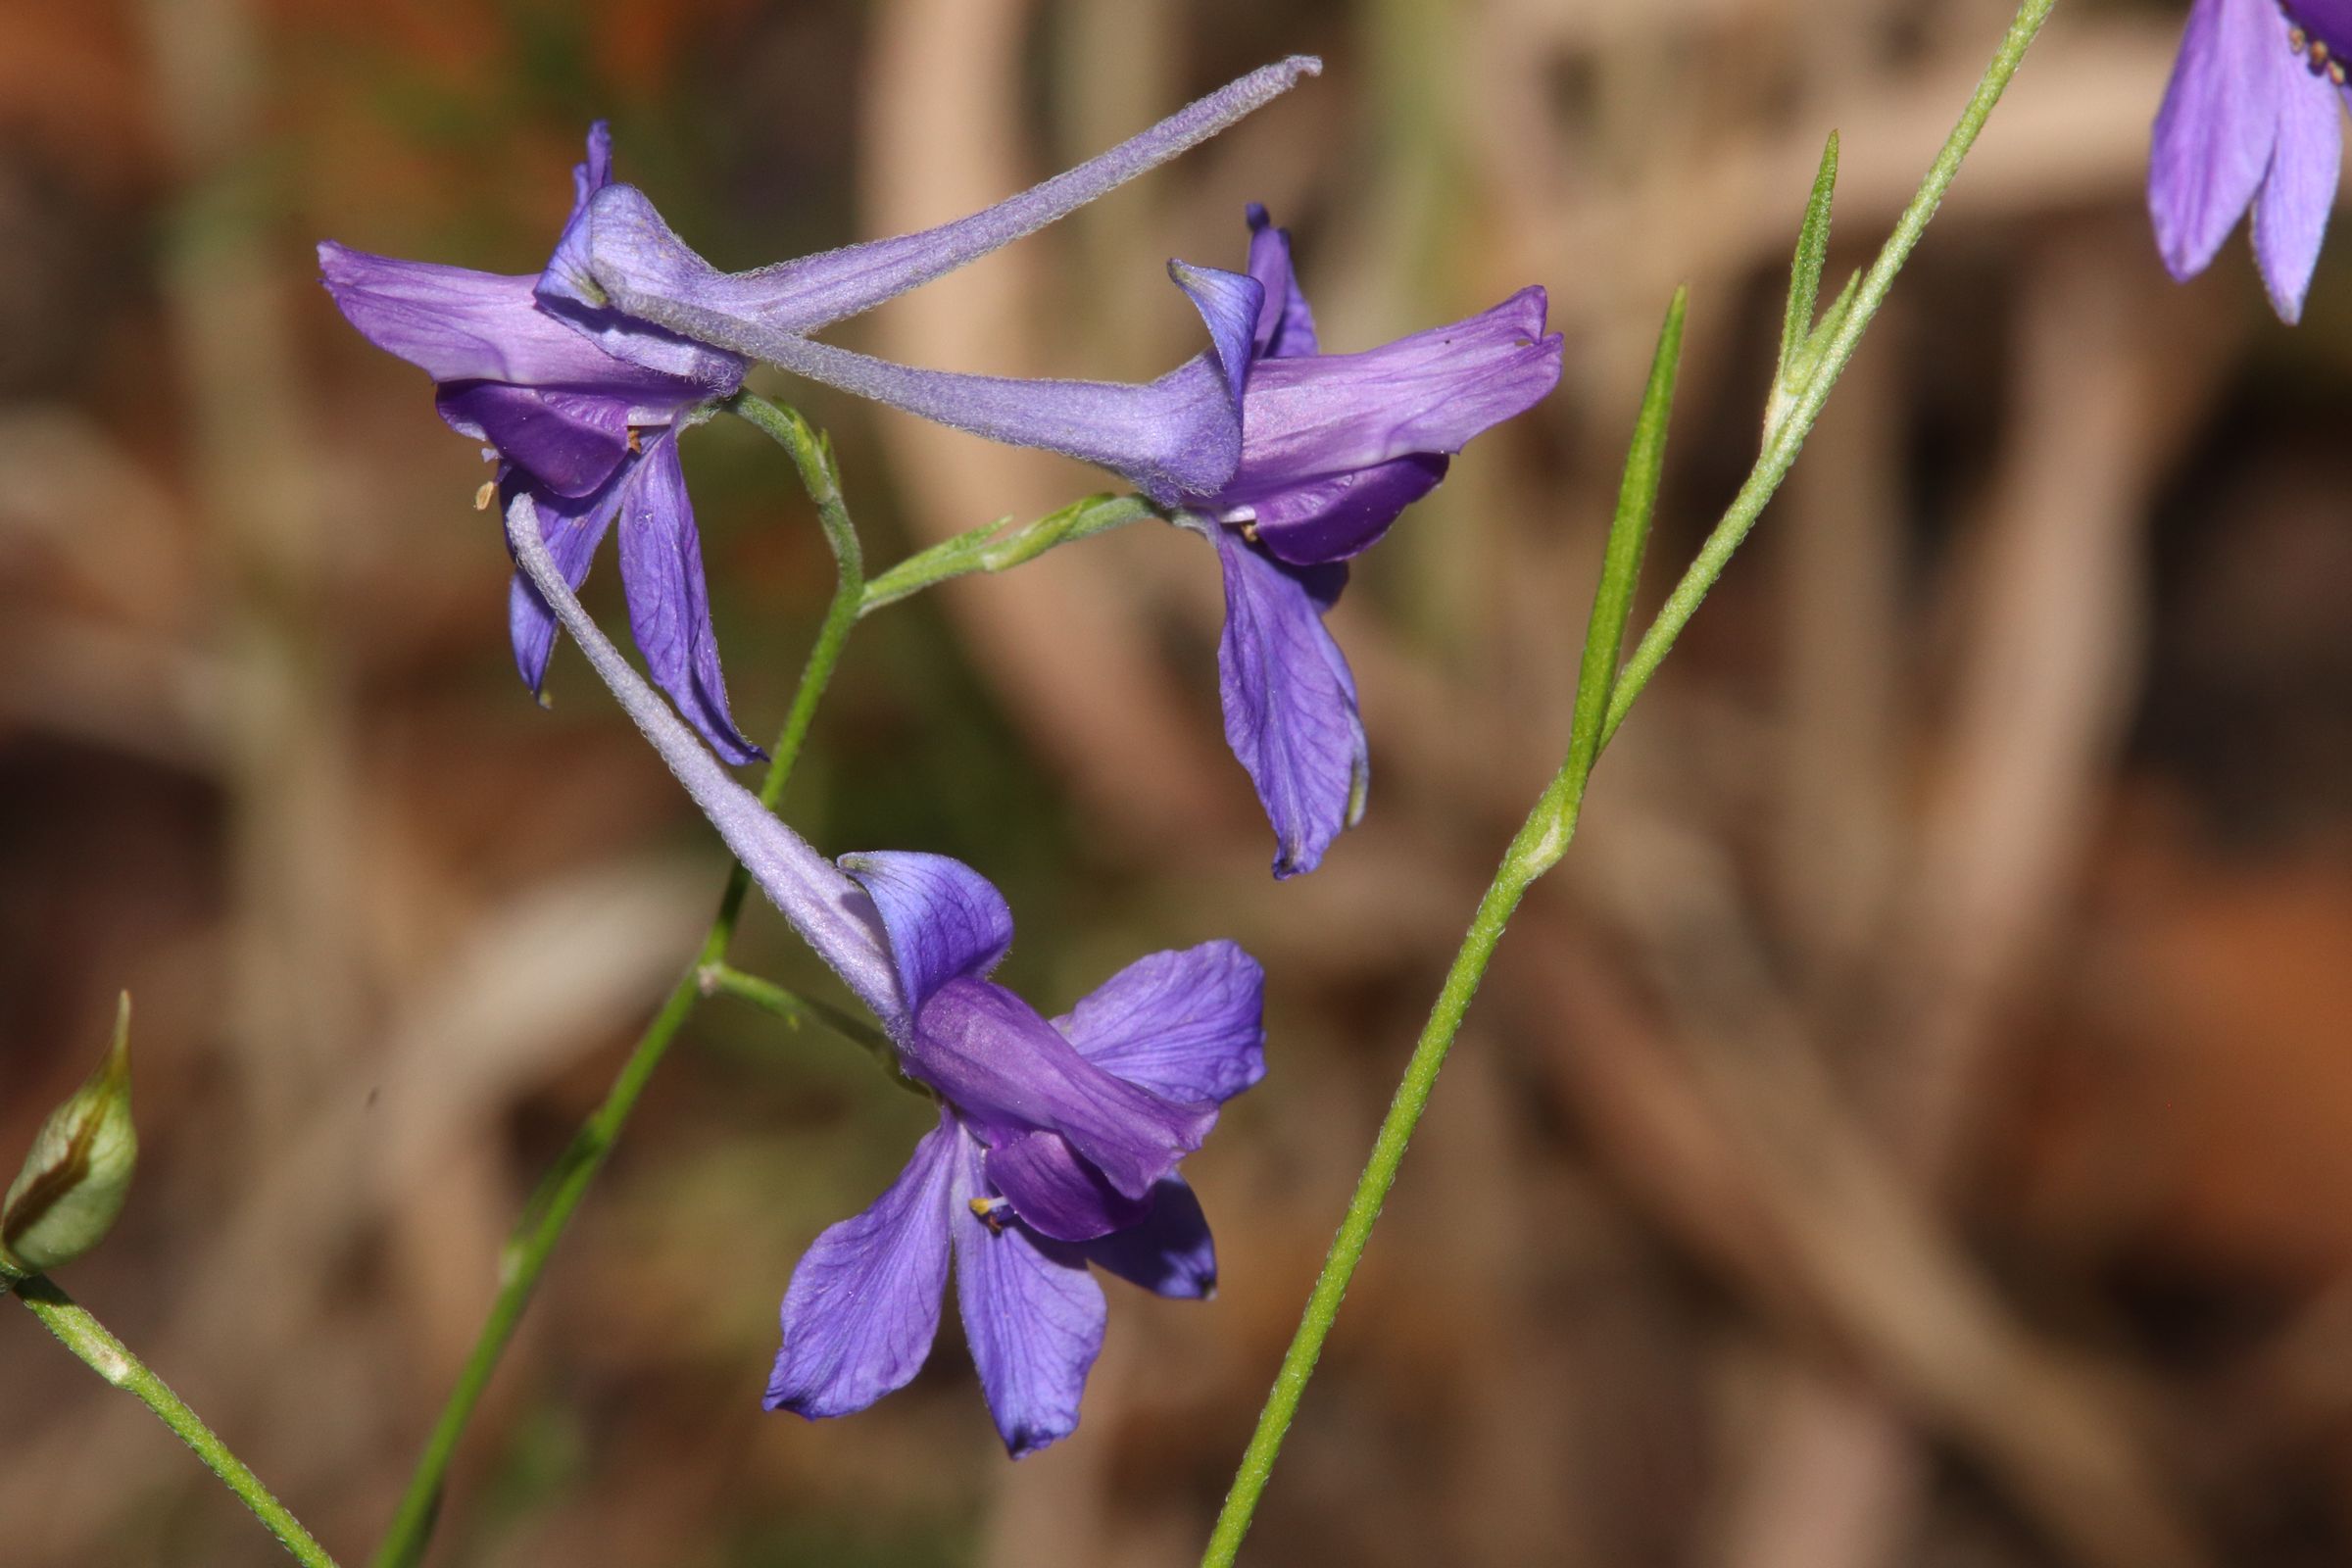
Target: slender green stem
[[1550, 826], [551, 1209], [721, 980], [1787, 433], [993, 547], [112, 1360]]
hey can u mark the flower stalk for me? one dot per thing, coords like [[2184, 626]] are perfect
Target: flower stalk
[[1601, 707], [88, 1338]]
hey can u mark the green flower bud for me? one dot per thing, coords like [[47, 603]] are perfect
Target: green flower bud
[[74, 1182]]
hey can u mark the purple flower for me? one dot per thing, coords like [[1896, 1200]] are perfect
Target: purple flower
[[2251, 119], [1334, 447], [588, 433], [1057, 1142], [1293, 460], [581, 397]]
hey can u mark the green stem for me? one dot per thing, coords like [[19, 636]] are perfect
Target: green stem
[[526, 1253], [721, 980], [1550, 826], [112, 1360], [1786, 432], [993, 546]]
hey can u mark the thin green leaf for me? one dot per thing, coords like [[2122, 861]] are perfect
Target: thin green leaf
[[1629, 538], [1804, 272]]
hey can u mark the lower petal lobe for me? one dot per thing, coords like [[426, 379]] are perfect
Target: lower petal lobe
[[1032, 1314], [1168, 1252], [1290, 705], [863, 1305], [669, 604]]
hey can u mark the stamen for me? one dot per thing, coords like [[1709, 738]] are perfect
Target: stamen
[[634, 444], [990, 1211], [2335, 72], [1249, 531], [2296, 39], [485, 495], [2318, 53]]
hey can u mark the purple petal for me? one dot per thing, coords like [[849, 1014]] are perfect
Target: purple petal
[[1056, 1193], [458, 324], [1032, 1314], [1290, 703], [624, 258], [594, 175], [572, 526], [1428, 393], [1170, 1251], [670, 605], [2215, 128], [570, 442], [1342, 517], [989, 1054], [2291, 213], [944, 918], [1229, 303], [1190, 1025], [863, 1304], [832, 914], [1286, 327]]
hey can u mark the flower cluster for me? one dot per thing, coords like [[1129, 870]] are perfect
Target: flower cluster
[[1057, 1140]]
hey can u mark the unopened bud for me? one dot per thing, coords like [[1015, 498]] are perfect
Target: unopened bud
[[74, 1182]]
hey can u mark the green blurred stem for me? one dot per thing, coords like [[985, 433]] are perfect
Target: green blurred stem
[[996, 547], [551, 1209], [112, 1360], [1803, 402], [1546, 834], [721, 980]]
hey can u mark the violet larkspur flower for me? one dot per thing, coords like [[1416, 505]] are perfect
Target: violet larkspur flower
[[1334, 448], [2251, 119], [1057, 1142], [581, 401], [588, 433], [1296, 459]]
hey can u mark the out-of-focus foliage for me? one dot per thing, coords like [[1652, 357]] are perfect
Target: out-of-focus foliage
[[1909, 1129]]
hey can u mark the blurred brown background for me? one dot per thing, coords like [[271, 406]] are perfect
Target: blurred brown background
[[1910, 1129]]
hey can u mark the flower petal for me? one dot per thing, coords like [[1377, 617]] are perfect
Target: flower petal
[[863, 1304], [1168, 1252], [1008, 1071], [1344, 515], [1290, 703], [458, 324], [622, 257], [1229, 303], [572, 527], [570, 442], [944, 918], [1188, 1024], [1427, 393], [2291, 211], [1286, 327], [832, 914], [1033, 1315], [2215, 128], [1056, 1193], [670, 605]]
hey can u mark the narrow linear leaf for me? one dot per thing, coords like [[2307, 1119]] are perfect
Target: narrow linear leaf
[[1629, 539], [1804, 272], [1832, 320]]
